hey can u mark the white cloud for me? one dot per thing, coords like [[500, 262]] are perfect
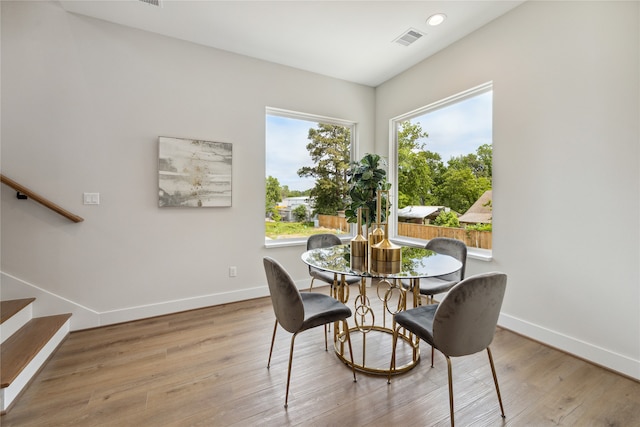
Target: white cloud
[[286, 151], [459, 128]]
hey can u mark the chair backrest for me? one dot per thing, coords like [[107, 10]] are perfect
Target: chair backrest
[[451, 247], [466, 319], [285, 297], [322, 241]]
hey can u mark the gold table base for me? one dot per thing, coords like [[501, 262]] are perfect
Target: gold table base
[[360, 362], [365, 321]]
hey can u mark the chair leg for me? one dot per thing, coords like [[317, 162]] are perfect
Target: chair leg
[[273, 339], [353, 365], [432, 352], [286, 397], [392, 365], [495, 380], [450, 389], [326, 344]]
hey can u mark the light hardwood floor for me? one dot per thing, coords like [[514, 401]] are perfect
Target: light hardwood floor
[[208, 368]]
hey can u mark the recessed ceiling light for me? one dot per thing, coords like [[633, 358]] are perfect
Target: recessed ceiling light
[[436, 19]]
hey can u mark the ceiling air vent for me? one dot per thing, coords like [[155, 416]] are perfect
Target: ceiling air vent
[[152, 2], [408, 37]]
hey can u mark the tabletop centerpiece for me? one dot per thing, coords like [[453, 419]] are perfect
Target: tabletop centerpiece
[[369, 194]]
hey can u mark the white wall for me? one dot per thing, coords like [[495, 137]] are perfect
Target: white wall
[[83, 104], [566, 167]]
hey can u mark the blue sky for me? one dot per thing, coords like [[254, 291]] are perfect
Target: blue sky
[[286, 151], [459, 128], [453, 130]]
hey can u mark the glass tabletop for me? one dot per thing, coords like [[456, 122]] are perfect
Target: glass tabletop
[[416, 262]]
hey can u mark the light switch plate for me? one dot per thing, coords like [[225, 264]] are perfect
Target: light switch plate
[[91, 198]]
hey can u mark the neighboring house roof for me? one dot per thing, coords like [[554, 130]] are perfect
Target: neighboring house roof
[[480, 212], [421, 212]]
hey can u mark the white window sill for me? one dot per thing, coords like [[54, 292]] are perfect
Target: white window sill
[[282, 243], [474, 253]]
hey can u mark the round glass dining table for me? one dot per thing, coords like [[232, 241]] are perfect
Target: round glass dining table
[[416, 263]]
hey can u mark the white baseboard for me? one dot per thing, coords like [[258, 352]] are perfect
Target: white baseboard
[[600, 356], [167, 307], [158, 309], [83, 318], [48, 303]]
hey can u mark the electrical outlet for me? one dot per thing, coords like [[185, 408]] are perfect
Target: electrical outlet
[[233, 271]]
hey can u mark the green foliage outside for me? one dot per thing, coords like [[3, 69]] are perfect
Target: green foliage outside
[[275, 230], [479, 227], [272, 195], [275, 215], [447, 219], [300, 213], [460, 189], [329, 149], [294, 193], [424, 179], [415, 167]]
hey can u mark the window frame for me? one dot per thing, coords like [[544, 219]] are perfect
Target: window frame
[[354, 153], [394, 126]]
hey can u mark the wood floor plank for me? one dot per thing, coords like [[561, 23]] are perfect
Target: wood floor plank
[[208, 368]]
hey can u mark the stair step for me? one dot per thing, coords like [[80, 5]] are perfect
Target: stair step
[[15, 314], [21, 348], [11, 307]]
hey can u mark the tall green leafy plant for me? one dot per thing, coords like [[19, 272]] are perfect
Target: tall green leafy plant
[[365, 178]]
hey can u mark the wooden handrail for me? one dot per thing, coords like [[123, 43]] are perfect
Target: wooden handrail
[[49, 204]]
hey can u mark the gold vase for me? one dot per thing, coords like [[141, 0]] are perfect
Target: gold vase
[[386, 257], [359, 247]]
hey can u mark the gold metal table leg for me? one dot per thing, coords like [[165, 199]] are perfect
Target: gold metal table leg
[[365, 325]]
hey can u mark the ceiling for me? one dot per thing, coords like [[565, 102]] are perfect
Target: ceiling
[[349, 40]]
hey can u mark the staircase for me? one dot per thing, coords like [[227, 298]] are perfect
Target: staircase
[[27, 343]]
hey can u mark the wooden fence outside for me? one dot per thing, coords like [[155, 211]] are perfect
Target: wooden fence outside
[[333, 222], [472, 238]]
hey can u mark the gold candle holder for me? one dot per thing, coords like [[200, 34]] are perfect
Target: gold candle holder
[[386, 257]]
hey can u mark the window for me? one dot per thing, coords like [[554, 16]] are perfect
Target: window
[[307, 158], [441, 169]]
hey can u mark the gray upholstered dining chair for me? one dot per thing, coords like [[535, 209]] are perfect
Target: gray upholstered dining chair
[[430, 286], [463, 323], [324, 241], [296, 312]]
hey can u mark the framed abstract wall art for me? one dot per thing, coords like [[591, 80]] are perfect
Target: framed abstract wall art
[[194, 173]]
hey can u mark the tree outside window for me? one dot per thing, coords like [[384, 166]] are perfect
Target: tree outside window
[[444, 161], [307, 159]]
